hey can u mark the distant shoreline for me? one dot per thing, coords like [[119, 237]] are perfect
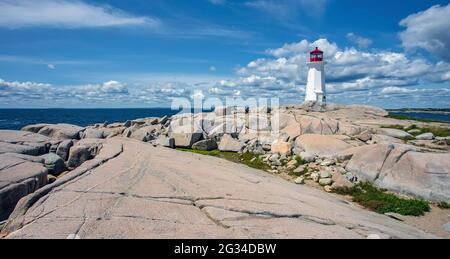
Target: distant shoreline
[[421, 110]]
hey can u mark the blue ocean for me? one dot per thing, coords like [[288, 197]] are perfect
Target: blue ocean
[[15, 119], [434, 116]]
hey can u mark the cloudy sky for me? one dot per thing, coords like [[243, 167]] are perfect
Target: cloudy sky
[[140, 53]]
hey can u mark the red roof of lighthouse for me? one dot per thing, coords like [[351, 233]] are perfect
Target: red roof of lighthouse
[[316, 51]]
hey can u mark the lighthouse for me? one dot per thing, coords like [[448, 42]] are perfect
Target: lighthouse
[[315, 88]]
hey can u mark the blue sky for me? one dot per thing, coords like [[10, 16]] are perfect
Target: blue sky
[[140, 53]]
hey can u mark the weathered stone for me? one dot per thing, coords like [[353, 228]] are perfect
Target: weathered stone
[[365, 136], [315, 177], [321, 145], [165, 141], [232, 197], [54, 164], [307, 157], [63, 149], [328, 162], [93, 133], [19, 176], [300, 180], [22, 149], [326, 181], [340, 181], [205, 145], [186, 140], [229, 144], [34, 128], [400, 168], [146, 133], [395, 133], [282, 148], [300, 169], [61, 131], [425, 136], [78, 155], [325, 174], [274, 157]]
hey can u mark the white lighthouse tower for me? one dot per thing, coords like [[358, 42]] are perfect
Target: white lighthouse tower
[[315, 88]]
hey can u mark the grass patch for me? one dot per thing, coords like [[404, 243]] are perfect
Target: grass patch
[[409, 118], [299, 161], [382, 202], [249, 159], [399, 127], [437, 131], [444, 205]]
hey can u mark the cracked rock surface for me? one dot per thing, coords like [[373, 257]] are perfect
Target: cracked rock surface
[[153, 192]]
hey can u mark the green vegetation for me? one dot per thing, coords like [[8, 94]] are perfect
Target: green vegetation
[[299, 161], [249, 159], [409, 118], [437, 131], [399, 127], [382, 202], [444, 205]]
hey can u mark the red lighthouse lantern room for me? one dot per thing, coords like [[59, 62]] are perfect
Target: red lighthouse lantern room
[[316, 55]]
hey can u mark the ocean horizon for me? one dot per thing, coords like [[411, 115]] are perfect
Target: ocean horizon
[[15, 119]]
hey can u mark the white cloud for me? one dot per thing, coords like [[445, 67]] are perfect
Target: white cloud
[[51, 66], [428, 30], [397, 90], [212, 69], [352, 74], [66, 14], [360, 41]]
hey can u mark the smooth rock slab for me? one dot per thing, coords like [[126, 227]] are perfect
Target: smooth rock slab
[[401, 169], [321, 145], [396, 133], [146, 193], [61, 131]]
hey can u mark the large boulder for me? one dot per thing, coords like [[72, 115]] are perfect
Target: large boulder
[[229, 144], [320, 145], [402, 169], [63, 149], [282, 148], [54, 163], [425, 136], [77, 155], [61, 131], [146, 133], [205, 145], [22, 142], [34, 128], [186, 140], [395, 133], [84, 150], [93, 133], [165, 141], [20, 175]]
